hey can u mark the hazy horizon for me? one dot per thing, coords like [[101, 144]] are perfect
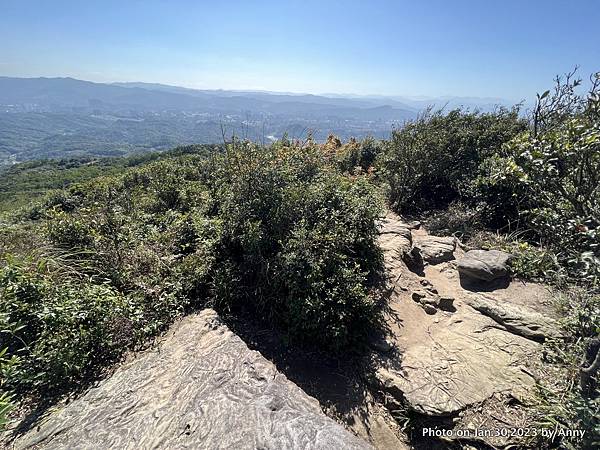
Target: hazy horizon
[[413, 97], [384, 48]]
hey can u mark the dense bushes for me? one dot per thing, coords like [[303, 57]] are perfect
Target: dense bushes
[[435, 160], [298, 240], [498, 171], [563, 402], [278, 231], [58, 333], [560, 168]]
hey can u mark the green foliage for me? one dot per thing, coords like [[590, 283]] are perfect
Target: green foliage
[[278, 231], [57, 333], [560, 168], [5, 407], [357, 155], [563, 403], [21, 183], [433, 161], [298, 241]]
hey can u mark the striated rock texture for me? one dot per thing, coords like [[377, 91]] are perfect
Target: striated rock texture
[[517, 319], [202, 389], [480, 346]]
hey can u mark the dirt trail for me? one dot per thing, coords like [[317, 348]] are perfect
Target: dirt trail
[[474, 362]]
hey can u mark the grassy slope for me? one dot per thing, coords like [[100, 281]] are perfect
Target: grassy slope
[[24, 182]]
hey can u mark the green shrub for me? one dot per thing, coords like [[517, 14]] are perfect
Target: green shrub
[[357, 156], [5, 407], [299, 241], [57, 333], [561, 400], [278, 231], [559, 167], [434, 160]]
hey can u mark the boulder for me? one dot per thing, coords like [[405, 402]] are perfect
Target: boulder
[[395, 236], [485, 265], [201, 388], [435, 250]]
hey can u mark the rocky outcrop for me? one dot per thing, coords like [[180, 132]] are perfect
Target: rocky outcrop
[[486, 265], [435, 249], [515, 318], [201, 388], [458, 349], [396, 236], [461, 362]]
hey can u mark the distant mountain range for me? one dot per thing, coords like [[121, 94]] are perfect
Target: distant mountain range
[[70, 95], [59, 117]]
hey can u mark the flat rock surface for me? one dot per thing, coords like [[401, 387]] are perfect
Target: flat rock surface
[[456, 359], [202, 388]]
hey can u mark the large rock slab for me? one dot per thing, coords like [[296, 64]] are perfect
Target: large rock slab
[[435, 249], [203, 389], [486, 265], [452, 361], [455, 363]]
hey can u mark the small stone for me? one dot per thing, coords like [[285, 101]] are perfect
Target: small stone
[[417, 296], [432, 300]]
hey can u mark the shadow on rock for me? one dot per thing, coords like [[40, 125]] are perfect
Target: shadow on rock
[[414, 262], [335, 382], [474, 285]]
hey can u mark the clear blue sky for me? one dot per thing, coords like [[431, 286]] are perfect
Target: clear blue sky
[[503, 48]]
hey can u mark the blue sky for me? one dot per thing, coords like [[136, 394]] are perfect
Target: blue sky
[[509, 49]]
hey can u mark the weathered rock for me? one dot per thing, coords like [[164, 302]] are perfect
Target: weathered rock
[[396, 237], [435, 250], [426, 298], [457, 363], [486, 265], [428, 286], [515, 318], [203, 388], [451, 363], [425, 283]]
